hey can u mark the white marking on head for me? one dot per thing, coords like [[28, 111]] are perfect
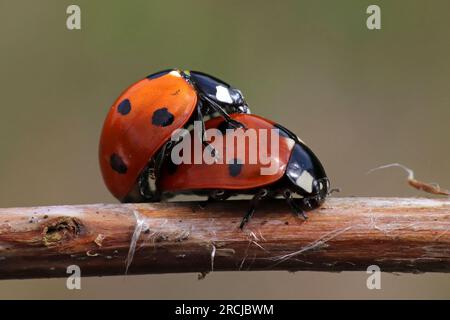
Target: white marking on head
[[305, 181], [223, 94], [290, 143], [244, 109], [175, 73]]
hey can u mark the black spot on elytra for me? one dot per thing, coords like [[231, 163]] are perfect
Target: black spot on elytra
[[235, 167], [117, 164], [162, 117], [158, 74], [124, 107]]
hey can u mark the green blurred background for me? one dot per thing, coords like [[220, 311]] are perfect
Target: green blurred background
[[359, 98]]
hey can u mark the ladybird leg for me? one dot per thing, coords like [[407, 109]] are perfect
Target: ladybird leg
[[148, 190], [294, 207], [204, 204], [160, 158], [200, 118], [144, 186], [253, 203], [223, 113], [202, 135], [216, 195], [307, 203]]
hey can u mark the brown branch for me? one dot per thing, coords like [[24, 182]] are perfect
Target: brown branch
[[397, 234]]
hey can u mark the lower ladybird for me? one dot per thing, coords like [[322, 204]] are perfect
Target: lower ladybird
[[298, 176]]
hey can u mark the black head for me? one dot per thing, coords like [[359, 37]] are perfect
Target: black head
[[306, 175], [219, 91]]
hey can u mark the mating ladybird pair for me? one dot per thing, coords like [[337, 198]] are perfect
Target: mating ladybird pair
[[136, 142]]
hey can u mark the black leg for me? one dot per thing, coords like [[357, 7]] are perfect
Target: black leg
[[202, 136], [161, 157], [144, 186], [216, 195], [200, 118], [294, 207], [204, 204], [152, 173], [253, 203], [223, 113], [307, 204]]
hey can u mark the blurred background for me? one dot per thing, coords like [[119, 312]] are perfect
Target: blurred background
[[359, 98]]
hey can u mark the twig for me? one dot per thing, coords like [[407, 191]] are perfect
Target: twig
[[397, 234]]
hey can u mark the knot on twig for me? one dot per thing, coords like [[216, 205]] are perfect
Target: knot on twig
[[60, 229]]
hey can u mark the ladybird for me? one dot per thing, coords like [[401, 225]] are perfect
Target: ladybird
[[139, 125], [298, 171]]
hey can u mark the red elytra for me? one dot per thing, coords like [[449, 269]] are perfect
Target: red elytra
[[139, 122], [238, 175], [299, 177]]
